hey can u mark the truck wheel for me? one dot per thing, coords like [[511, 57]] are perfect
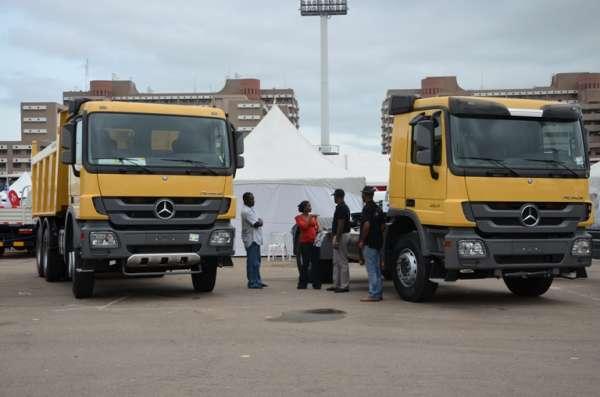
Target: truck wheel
[[529, 287], [39, 236], [205, 281], [411, 271], [53, 266], [326, 270]]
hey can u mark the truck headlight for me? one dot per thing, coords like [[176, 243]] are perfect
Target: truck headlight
[[470, 249], [220, 238], [104, 240], [582, 247]]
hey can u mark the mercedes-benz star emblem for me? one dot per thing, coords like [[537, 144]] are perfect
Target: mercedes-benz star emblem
[[164, 209], [530, 215]]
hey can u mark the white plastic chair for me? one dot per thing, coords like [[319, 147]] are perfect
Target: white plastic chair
[[277, 247]]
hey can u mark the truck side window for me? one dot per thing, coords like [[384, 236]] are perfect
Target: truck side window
[[437, 141], [78, 144]]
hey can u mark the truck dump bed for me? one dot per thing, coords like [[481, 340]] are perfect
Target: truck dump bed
[[49, 182]]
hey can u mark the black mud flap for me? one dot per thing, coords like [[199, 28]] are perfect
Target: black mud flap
[[224, 261], [581, 272]]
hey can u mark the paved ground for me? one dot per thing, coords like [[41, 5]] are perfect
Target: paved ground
[[156, 337]]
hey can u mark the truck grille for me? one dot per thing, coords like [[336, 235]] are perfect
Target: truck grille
[[159, 249], [525, 259], [188, 212], [496, 219]]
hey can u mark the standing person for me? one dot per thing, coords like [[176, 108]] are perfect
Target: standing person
[[371, 242], [339, 231], [308, 225], [252, 238]]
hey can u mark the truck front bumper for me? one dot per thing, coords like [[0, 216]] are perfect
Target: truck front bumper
[[136, 243], [514, 253]]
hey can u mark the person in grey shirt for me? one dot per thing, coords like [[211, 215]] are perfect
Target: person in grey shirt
[[252, 238]]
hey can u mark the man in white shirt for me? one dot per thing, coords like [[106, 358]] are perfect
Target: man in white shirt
[[252, 238]]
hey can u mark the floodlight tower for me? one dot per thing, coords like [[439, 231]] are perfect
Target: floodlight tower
[[325, 9]]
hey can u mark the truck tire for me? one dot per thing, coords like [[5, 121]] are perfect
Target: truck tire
[[53, 264], [205, 281], [528, 287], [410, 270], [39, 236]]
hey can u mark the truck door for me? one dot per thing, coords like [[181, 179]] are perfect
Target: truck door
[[426, 186]]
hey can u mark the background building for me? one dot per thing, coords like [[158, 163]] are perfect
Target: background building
[[39, 122], [580, 88], [242, 99]]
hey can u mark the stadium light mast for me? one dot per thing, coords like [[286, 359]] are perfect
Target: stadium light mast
[[324, 9]]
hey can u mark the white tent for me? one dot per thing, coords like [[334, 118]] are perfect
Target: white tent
[[595, 191], [363, 163], [282, 168]]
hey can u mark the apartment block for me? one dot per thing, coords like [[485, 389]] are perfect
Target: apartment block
[[578, 88], [39, 122], [243, 100]]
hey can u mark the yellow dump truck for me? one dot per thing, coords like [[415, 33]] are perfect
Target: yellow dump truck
[[486, 187], [143, 189]]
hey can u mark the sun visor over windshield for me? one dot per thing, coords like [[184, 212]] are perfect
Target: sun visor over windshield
[[477, 107], [561, 112]]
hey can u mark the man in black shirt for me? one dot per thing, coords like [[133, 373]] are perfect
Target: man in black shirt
[[371, 242], [339, 230]]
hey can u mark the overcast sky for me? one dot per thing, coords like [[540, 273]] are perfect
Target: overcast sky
[[177, 45]]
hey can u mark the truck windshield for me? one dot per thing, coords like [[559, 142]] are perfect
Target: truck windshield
[[518, 143], [151, 143]]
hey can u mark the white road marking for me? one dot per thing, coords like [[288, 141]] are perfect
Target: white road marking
[[595, 299], [121, 299]]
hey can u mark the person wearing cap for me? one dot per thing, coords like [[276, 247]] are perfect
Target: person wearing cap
[[340, 228], [371, 242]]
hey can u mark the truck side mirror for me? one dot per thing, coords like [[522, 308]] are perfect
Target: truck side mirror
[[67, 142], [239, 142], [239, 161], [423, 137], [239, 148]]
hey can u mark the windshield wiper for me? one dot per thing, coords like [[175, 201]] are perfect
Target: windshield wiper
[[132, 162], [495, 161], [557, 162], [195, 163]]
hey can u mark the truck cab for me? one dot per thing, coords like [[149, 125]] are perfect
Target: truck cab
[[143, 189], [481, 188]]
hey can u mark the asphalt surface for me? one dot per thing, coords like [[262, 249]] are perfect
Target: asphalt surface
[[156, 337]]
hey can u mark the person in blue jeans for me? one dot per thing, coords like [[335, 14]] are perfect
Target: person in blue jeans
[[252, 238], [371, 242]]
